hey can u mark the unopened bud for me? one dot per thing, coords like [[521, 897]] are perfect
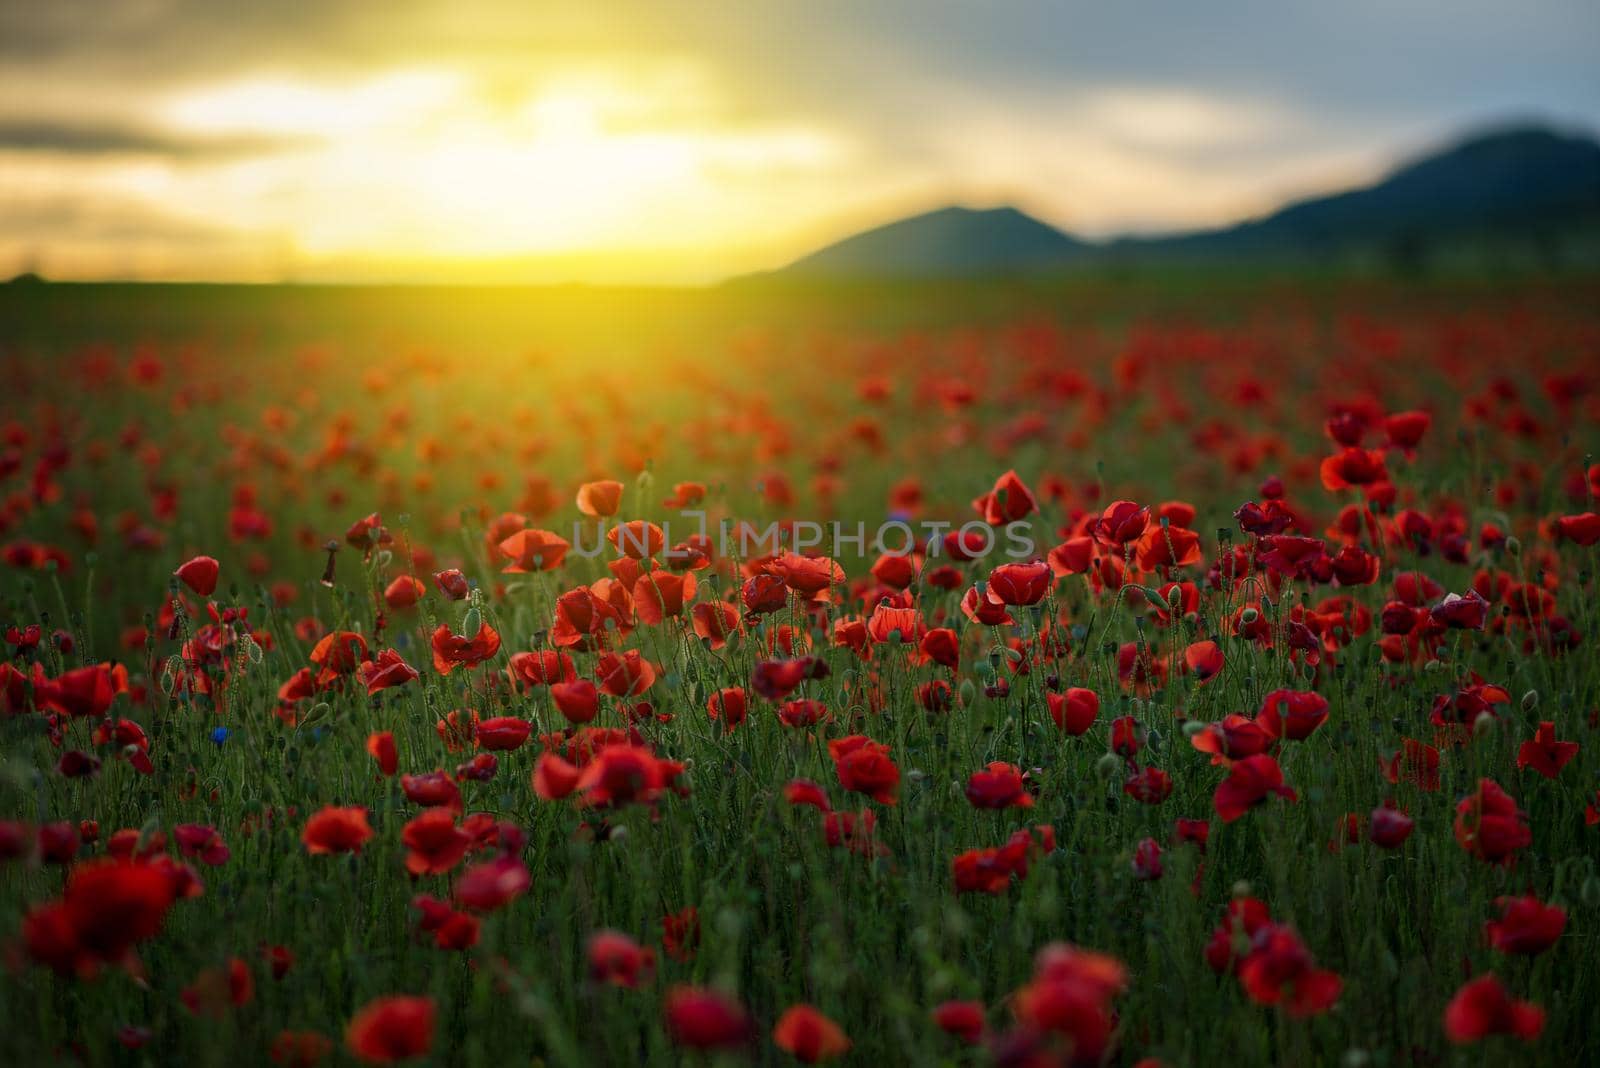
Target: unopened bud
[[1108, 765], [1530, 700]]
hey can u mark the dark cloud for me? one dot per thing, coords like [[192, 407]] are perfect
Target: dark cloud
[[107, 139]]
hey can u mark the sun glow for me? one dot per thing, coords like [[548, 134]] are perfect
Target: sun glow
[[587, 173]]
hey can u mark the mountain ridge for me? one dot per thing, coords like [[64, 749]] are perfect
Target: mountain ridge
[[1511, 182]]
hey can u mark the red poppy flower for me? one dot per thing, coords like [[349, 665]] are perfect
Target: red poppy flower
[[1070, 995], [1147, 860], [727, 706], [1167, 546], [806, 792], [492, 884], [661, 595], [618, 960], [1009, 501], [680, 933], [1415, 762], [502, 733], [1249, 782], [1204, 660], [941, 646], [624, 674], [863, 766], [554, 778], [1527, 926], [802, 712], [713, 622], [963, 1019], [999, 785], [637, 540], [1544, 754], [979, 609], [451, 651], [1405, 429], [1148, 786], [200, 575], [1489, 825], [1388, 827], [531, 551], [338, 653], [392, 1029], [541, 668], [809, 1036], [777, 679], [80, 693], [336, 830], [381, 747], [1234, 738], [701, 1018], [452, 583], [1458, 612], [1279, 969], [386, 671], [1232, 939], [1075, 556], [201, 842], [1584, 529], [1020, 584], [1482, 1008], [1121, 523], [600, 499], [1353, 467], [1292, 714], [1075, 710], [432, 790], [764, 593], [627, 774], [107, 907], [578, 700]]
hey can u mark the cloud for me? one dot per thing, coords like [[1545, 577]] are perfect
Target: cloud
[[749, 131], [74, 138]]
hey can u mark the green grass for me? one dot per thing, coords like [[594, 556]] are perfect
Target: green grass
[[724, 388]]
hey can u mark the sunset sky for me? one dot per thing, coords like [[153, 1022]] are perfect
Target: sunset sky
[[682, 142]]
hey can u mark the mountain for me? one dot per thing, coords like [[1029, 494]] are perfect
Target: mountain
[[1512, 184], [948, 242], [1522, 186]]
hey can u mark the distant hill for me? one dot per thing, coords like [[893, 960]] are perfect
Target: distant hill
[[952, 241], [1526, 185]]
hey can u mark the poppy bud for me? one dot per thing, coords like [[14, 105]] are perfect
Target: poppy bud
[[1242, 888], [330, 548], [1175, 597], [1193, 727], [1530, 700], [1590, 891], [1514, 546], [1108, 765], [1248, 616], [1483, 726], [471, 623]]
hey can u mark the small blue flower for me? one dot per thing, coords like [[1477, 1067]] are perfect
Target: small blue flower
[[220, 735]]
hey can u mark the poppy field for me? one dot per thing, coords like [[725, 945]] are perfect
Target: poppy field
[[948, 676]]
